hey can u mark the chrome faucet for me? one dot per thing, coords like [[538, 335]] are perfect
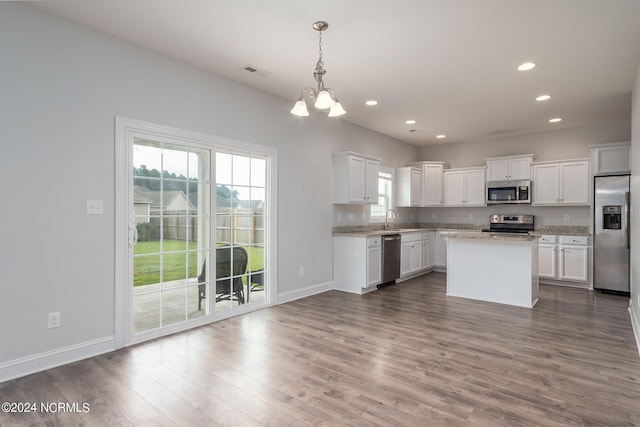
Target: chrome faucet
[[386, 217]]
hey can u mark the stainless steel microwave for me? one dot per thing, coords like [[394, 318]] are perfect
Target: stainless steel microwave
[[508, 192]]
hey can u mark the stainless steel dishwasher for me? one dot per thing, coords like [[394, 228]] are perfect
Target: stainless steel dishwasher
[[390, 258]]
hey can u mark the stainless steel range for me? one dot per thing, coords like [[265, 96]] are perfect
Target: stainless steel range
[[499, 223]]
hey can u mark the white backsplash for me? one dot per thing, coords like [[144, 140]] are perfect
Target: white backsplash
[[351, 215], [347, 215], [544, 215]]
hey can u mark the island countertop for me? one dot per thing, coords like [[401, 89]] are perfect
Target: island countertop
[[480, 235]]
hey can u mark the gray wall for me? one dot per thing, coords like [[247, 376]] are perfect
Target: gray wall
[[634, 306], [62, 85]]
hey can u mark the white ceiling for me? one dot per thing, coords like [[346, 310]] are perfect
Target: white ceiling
[[448, 64]]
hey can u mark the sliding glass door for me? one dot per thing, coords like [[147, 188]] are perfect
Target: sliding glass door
[[199, 217], [171, 204]]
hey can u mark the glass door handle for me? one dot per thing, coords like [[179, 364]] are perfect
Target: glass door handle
[[133, 235]]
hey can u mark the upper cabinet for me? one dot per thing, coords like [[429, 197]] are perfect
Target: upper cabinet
[[431, 185], [355, 178], [509, 168], [408, 185], [561, 183], [614, 158], [465, 187]]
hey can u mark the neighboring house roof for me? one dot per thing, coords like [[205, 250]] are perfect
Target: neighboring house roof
[[250, 204], [223, 202], [155, 198]]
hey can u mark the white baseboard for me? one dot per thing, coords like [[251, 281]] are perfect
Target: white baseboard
[[51, 359], [304, 292], [635, 323]]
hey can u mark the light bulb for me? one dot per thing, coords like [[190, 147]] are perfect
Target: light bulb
[[300, 109], [337, 110], [324, 100]]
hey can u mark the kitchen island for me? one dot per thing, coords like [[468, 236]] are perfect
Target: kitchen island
[[498, 267]]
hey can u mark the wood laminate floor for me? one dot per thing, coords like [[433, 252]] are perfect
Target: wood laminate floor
[[405, 355]]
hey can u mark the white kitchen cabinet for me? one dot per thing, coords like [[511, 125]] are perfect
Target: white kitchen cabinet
[[357, 263], [431, 186], [408, 183], [374, 261], [355, 178], [410, 253], [573, 259], [613, 158], [561, 183], [465, 187], [509, 168], [564, 258], [433, 237], [426, 251], [547, 249]]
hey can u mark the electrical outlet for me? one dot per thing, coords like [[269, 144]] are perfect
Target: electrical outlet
[[301, 271], [471, 216], [434, 215], [54, 320], [566, 217], [95, 207]]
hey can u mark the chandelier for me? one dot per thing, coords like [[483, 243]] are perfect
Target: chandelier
[[321, 97]]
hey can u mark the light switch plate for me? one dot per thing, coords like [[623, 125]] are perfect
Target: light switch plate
[[95, 207]]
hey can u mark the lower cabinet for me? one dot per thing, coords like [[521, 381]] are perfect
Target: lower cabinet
[[426, 250], [410, 254], [357, 263], [563, 258], [374, 261], [441, 249]]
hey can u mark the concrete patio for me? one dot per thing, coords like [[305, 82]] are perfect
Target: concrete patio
[[179, 303]]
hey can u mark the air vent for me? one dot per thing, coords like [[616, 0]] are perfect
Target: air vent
[[255, 70]]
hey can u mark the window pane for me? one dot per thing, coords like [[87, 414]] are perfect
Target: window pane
[[225, 199], [258, 172], [174, 163], [223, 168], [241, 170], [147, 158], [384, 195]]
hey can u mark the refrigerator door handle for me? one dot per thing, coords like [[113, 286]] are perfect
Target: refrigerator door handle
[[626, 219]]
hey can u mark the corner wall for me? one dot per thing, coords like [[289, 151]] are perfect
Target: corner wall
[[634, 303]]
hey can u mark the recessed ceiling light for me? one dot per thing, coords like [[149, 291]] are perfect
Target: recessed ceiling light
[[410, 122], [555, 120], [526, 66], [371, 102], [543, 98], [441, 136]]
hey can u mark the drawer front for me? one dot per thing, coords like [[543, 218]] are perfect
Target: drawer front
[[574, 240], [426, 235], [547, 238], [411, 237], [373, 241]]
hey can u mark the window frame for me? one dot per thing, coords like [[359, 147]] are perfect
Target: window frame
[[373, 218]]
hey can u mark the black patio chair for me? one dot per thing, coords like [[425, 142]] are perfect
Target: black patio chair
[[231, 265]]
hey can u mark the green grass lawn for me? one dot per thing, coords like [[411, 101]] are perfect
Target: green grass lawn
[[146, 269]]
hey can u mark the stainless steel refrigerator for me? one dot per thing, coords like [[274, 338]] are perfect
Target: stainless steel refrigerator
[[611, 233]]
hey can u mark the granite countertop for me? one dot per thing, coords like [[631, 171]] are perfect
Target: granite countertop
[[378, 229], [518, 237]]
